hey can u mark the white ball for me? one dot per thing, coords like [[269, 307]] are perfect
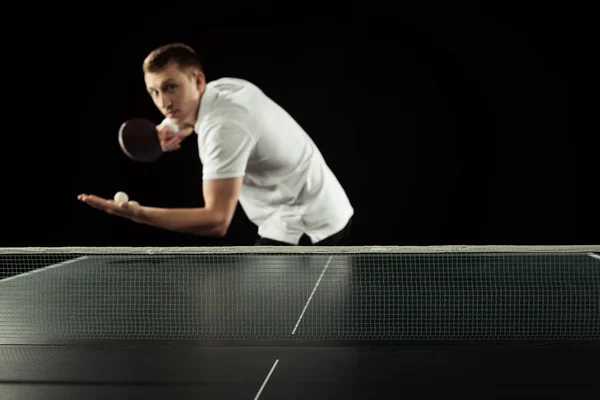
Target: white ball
[[121, 197]]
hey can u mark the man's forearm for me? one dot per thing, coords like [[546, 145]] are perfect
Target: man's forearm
[[196, 221]]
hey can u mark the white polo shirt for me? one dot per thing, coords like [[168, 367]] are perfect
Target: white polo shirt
[[288, 189]]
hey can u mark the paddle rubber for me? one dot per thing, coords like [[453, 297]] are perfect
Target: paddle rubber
[[139, 140]]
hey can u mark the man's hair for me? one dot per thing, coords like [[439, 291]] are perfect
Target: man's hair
[[178, 53]]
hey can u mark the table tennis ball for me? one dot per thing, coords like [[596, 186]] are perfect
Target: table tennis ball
[[121, 197]]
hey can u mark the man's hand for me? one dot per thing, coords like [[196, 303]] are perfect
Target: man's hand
[[168, 140], [221, 196], [129, 209]]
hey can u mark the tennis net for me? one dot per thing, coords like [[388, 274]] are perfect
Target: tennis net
[[301, 293]]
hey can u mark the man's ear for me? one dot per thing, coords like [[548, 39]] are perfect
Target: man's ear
[[200, 80]]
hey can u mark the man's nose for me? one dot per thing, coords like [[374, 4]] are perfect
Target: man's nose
[[165, 102]]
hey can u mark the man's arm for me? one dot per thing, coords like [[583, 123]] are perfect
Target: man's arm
[[220, 197], [226, 149]]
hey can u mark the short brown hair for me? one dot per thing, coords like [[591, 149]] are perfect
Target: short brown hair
[[178, 53]]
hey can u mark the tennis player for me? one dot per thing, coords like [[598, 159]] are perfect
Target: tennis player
[[252, 151]]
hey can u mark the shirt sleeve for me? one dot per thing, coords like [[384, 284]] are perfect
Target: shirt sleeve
[[225, 151]]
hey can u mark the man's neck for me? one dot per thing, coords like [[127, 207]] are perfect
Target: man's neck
[[197, 112]]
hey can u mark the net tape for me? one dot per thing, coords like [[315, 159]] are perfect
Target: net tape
[[304, 249]]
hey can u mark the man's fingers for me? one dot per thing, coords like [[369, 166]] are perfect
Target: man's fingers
[[83, 197], [95, 201], [90, 198], [172, 143], [174, 139]]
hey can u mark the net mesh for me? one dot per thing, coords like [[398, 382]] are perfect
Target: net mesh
[[301, 293]]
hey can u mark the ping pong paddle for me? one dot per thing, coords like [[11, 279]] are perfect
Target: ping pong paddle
[[139, 140]]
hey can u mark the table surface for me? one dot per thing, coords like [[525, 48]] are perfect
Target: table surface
[[132, 339]]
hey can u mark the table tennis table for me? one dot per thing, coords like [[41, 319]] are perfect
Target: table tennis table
[[300, 323]]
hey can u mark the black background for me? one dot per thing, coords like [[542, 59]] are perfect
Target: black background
[[445, 124]]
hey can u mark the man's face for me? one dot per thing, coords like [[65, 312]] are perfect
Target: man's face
[[176, 93]]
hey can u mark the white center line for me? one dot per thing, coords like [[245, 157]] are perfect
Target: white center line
[[38, 270], [313, 292], [594, 255], [266, 380]]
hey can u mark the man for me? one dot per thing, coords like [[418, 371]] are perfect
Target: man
[[252, 151]]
